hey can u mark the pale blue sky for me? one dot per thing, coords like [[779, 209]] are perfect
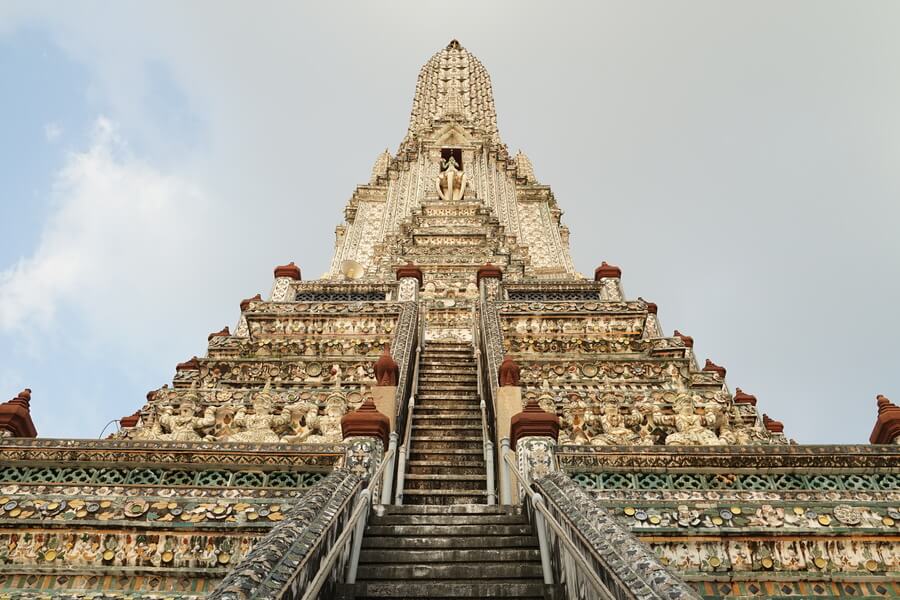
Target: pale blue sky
[[737, 160]]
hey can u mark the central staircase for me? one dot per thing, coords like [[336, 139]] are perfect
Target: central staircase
[[445, 541], [446, 462], [460, 551]]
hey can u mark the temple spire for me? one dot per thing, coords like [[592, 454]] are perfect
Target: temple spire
[[453, 84]]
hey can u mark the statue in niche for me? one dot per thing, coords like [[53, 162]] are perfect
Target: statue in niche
[[259, 425], [576, 415], [451, 183], [182, 426], [616, 427], [691, 429], [303, 419], [327, 427]]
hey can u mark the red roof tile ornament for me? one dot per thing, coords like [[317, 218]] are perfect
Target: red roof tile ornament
[[509, 373], [410, 270], [131, 420], [366, 421], [711, 367], [772, 425], [223, 333], [387, 371], [289, 270], [188, 365], [488, 271], [533, 421], [245, 303], [740, 397], [688, 340], [15, 416], [606, 270], [651, 306], [887, 427]]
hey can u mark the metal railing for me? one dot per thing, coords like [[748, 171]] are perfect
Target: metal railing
[[570, 566], [355, 527], [487, 429], [403, 453]]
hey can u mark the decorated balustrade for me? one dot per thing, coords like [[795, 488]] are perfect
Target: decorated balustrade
[[763, 521]]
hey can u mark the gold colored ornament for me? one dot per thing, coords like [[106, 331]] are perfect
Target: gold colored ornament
[[820, 562], [767, 562], [108, 555], [629, 510], [872, 565], [888, 521], [736, 510], [224, 558], [715, 561], [824, 519], [717, 520], [167, 556], [50, 556], [799, 510]]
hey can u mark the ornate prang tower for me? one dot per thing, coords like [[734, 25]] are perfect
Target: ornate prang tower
[[451, 411]]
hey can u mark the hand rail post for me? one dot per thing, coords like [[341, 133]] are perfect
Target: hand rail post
[[541, 527], [489, 462], [505, 487], [387, 479], [360, 527]]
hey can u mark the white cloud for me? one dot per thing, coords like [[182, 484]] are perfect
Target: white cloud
[[52, 131], [112, 213]]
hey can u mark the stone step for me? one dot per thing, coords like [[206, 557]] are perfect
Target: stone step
[[435, 429], [469, 398], [444, 467], [462, 415], [452, 571], [443, 531], [444, 410], [432, 456], [443, 421], [445, 365], [444, 497], [440, 466], [435, 387], [462, 412], [418, 481], [446, 454], [447, 590], [431, 444], [453, 543], [481, 509], [448, 519], [425, 556], [451, 373], [448, 481], [471, 371], [432, 381]]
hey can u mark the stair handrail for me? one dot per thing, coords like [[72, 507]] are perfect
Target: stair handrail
[[486, 430], [403, 453], [543, 517], [355, 526]]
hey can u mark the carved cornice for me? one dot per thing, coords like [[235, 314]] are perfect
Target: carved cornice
[[64, 451], [822, 459]]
